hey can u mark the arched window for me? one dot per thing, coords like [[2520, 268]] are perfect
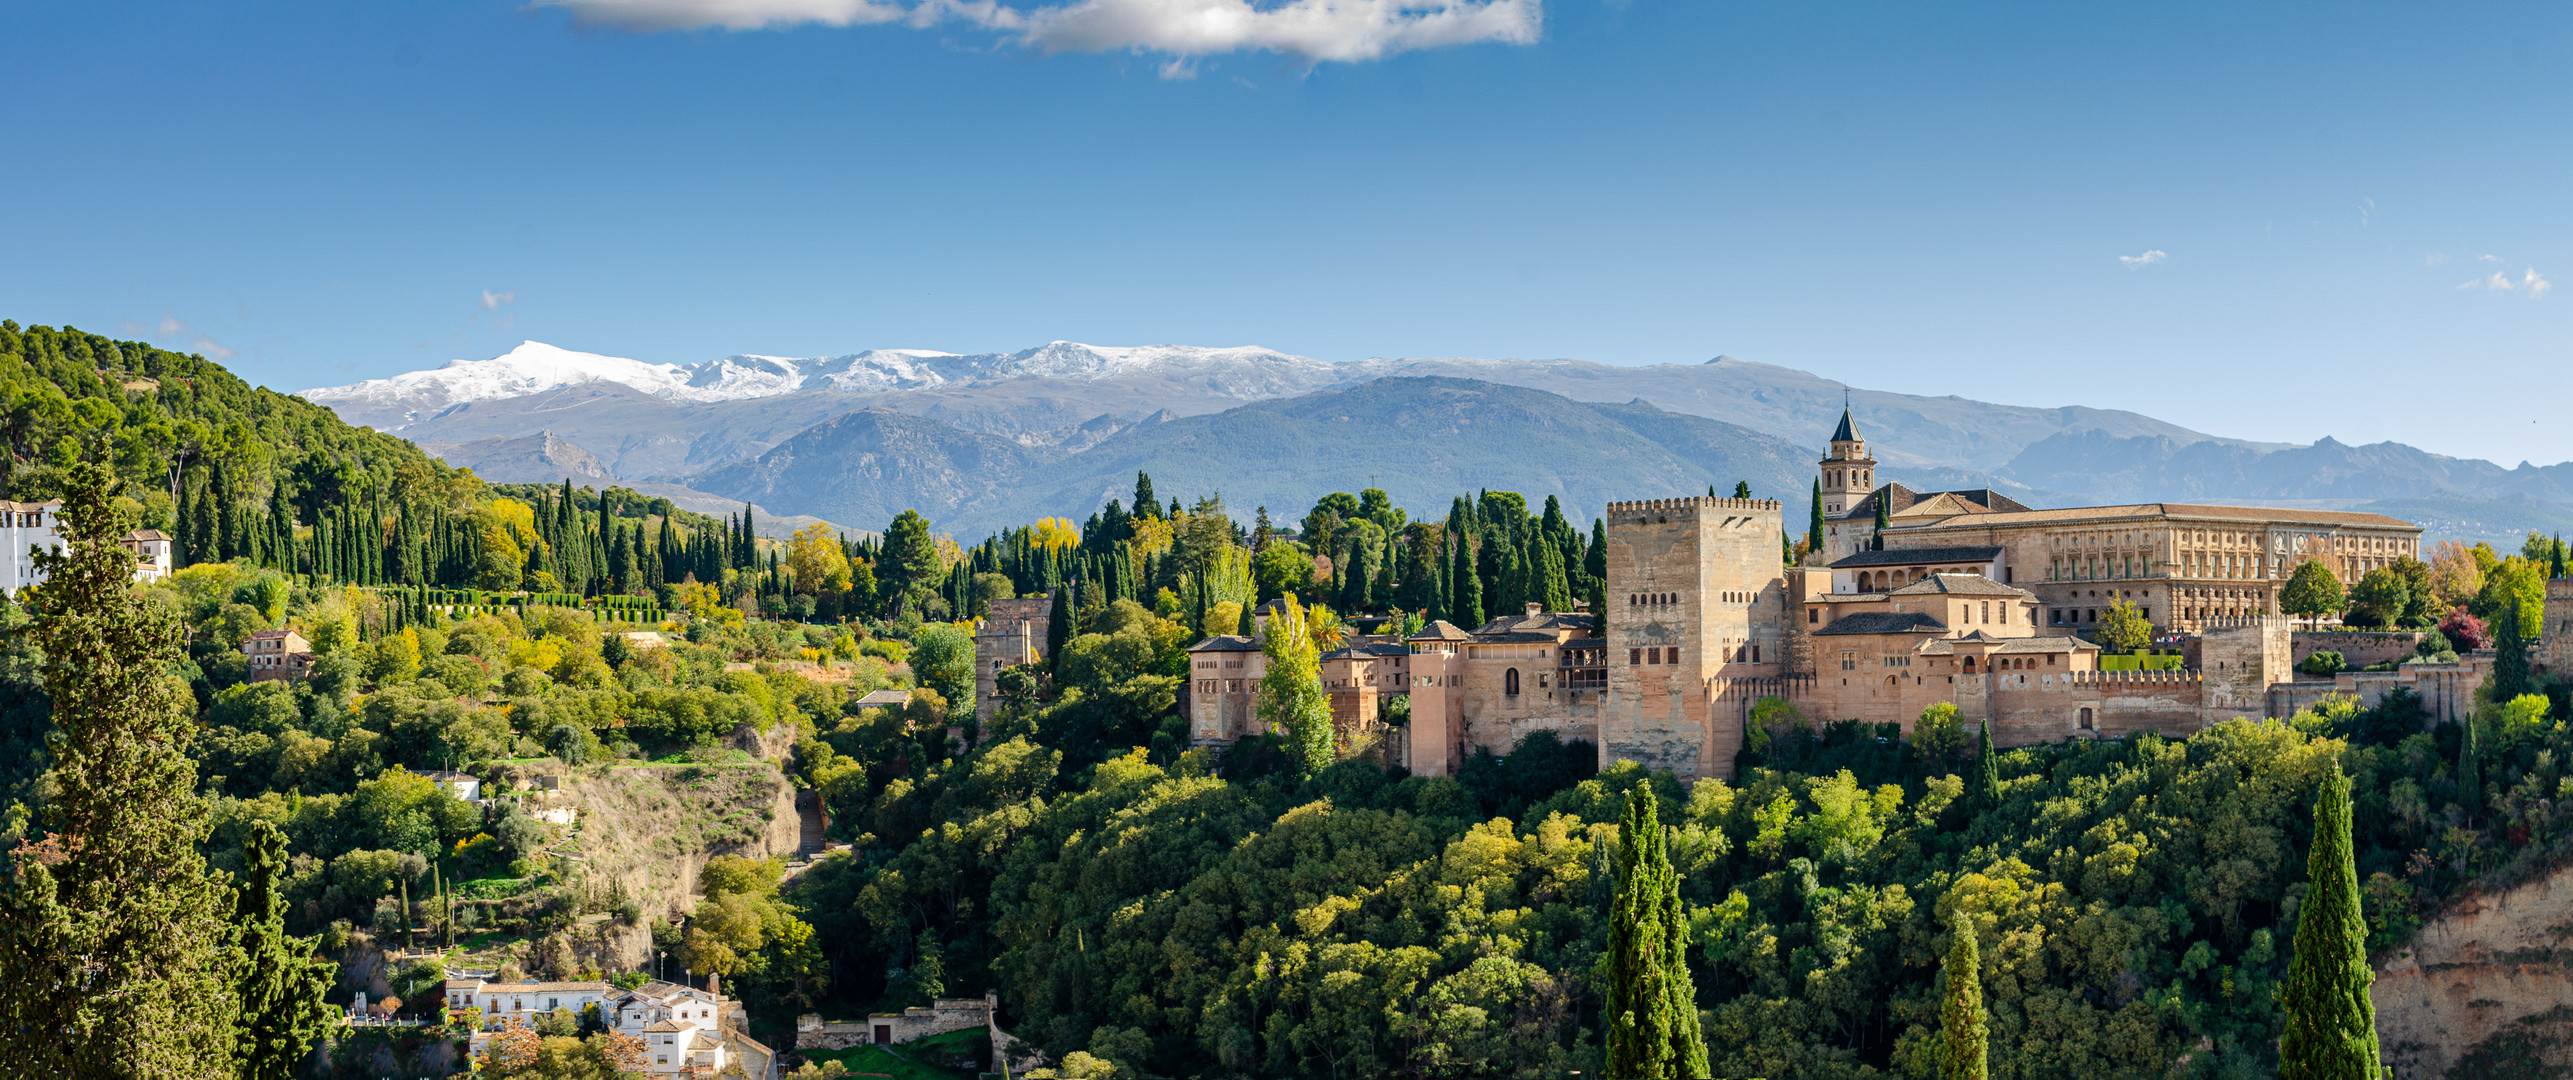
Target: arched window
[[1510, 682], [1969, 665], [2086, 719]]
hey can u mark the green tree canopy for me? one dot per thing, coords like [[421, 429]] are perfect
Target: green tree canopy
[[2311, 591]]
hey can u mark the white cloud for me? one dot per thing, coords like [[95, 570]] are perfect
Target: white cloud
[[2147, 259], [2488, 258], [1315, 30], [2530, 282], [174, 327], [492, 299]]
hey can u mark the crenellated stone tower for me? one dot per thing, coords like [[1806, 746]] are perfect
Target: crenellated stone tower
[[1694, 600]]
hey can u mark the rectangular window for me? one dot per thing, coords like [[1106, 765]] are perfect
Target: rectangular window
[[1634, 657], [1653, 655], [1674, 656], [1813, 615]]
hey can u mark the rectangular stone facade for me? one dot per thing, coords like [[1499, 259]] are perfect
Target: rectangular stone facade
[[1697, 579], [1010, 633]]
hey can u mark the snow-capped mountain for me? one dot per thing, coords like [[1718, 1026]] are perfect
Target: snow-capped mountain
[[397, 403]]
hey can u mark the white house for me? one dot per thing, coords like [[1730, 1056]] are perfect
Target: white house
[[682, 1028], [465, 786], [25, 526]]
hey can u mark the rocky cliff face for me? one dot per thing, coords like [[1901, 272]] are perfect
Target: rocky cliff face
[[2486, 990]]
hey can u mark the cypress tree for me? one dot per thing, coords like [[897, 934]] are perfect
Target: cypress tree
[[114, 952], [1987, 772], [2470, 772], [2331, 1025], [1742, 489], [2510, 656], [1814, 526], [1964, 1040], [281, 985], [1596, 565], [1467, 606], [1652, 1002], [1599, 609], [1357, 584], [750, 538], [1058, 624], [1876, 542]]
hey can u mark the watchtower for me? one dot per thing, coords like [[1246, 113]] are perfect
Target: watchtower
[[1695, 598]]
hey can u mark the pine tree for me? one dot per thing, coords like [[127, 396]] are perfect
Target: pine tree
[[1814, 532], [2331, 1025], [1964, 1040], [111, 933], [1742, 489], [1145, 503], [1652, 1002], [280, 983]]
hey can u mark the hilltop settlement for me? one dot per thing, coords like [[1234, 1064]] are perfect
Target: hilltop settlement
[[351, 763]]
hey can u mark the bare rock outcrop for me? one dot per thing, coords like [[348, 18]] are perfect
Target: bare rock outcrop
[[2484, 990]]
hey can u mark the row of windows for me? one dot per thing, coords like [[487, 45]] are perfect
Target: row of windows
[[1655, 599], [1503, 652], [1655, 655], [2072, 616]]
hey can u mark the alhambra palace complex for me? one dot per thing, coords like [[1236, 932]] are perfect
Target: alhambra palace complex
[[1972, 599]]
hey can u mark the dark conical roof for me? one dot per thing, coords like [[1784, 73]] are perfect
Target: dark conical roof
[[1847, 432]]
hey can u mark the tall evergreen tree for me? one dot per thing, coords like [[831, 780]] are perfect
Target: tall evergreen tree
[[1814, 531], [1146, 505], [1467, 604], [279, 981], [111, 931], [1595, 563], [1742, 489], [1652, 1001], [2331, 1025], [1987, 772], [1058, 624], [2510, 656], [2470, 771], [1876, 539], [1965, 1041]]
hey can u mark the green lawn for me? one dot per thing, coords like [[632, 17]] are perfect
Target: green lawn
[[912, 1062]]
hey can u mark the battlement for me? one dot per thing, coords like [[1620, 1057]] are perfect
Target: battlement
[[2243, 622], [2114, 679], [1657, 506]]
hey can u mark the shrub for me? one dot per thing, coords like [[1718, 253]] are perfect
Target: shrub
[[2324, 663]]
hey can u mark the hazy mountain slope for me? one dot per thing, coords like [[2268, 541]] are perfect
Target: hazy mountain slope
[[2148, 467], [527, 459], [867, 466], [1900, 428], [1423, 440]]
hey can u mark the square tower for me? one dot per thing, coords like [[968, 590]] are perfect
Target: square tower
[[1696, 598]]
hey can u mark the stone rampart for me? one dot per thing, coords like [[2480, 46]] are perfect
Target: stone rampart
[[2358, 648], [885, 1029]]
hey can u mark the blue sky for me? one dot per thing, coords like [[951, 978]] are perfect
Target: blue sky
[[2319, 206]]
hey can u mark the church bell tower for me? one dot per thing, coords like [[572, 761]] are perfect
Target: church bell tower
[[1848, 474]]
